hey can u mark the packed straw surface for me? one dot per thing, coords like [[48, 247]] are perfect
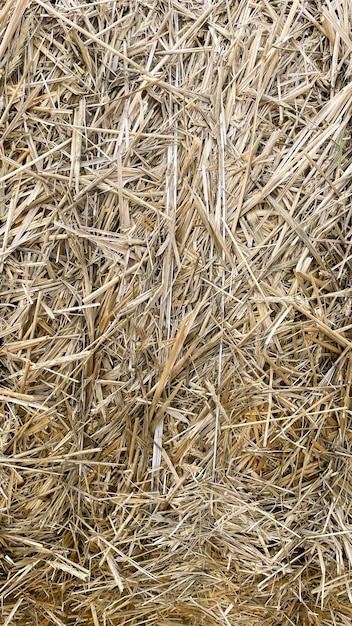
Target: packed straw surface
[[176, 363]]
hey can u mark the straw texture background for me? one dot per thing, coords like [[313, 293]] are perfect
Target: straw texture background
[[175, 313]]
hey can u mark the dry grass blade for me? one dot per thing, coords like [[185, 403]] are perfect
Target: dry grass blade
[[175, 269]]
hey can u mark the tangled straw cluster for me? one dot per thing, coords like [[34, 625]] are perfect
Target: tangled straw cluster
[[175, 267]]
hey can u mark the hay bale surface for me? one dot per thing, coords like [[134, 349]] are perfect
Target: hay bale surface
[[175, 259]]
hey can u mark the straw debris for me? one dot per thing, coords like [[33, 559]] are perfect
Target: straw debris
[[175, 269]]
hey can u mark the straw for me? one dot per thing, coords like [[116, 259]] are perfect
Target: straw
[[175, 268]]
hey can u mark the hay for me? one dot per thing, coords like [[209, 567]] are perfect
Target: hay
[[175, 262]]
